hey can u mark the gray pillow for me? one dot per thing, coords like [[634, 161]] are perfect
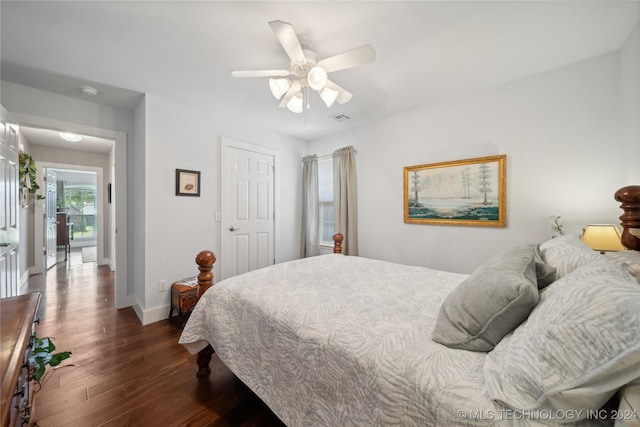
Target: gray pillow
[[545, 273], [490, 303]]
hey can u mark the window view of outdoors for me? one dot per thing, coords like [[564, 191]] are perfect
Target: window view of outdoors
[[325, 196], [81, 202]]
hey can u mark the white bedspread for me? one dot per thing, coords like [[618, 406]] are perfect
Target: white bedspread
[[345, 341]]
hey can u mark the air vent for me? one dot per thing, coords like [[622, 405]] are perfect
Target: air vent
[[340, 117]]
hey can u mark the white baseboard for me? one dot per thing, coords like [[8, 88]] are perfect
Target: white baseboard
[[153, 315]]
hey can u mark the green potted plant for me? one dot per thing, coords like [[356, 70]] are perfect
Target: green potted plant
[[27, 174], [43, 355]]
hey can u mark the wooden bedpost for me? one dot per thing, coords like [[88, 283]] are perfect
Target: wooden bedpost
[[205, 261], [204, 358], [630, 203], [337, 243]]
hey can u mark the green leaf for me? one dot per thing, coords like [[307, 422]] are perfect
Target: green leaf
[[38, 373], [59, 357], [44, 344]]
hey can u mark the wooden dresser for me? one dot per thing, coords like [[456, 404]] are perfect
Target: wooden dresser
[[18, 318]]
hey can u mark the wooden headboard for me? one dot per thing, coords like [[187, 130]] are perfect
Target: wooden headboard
[[629, 197]]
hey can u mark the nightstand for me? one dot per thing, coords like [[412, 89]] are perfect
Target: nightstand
[[184, 296]]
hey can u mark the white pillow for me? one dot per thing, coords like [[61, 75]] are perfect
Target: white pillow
[[629, 408], [566, 253], [578, 346], [630, 259]]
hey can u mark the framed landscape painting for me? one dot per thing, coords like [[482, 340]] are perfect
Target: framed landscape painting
[[462, 192]]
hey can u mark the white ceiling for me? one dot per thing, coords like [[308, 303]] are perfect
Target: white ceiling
[[427, 51], [51, 138]]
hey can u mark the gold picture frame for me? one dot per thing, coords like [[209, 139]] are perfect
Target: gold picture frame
[[469, 192], [187, 183]]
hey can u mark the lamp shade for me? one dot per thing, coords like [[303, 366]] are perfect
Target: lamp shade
[[279, 87], [328, 96], [317, 78], [603, 237], [295, 104]]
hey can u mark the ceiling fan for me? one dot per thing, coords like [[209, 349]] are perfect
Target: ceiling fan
[[291, 86]]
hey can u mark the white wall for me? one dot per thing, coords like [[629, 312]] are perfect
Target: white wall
[[136, 215], [630, 89], [177, 228], [26, 254], [562, 136]]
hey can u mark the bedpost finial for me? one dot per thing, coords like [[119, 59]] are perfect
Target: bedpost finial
[[205, 260], [337, 243], [630, 203]]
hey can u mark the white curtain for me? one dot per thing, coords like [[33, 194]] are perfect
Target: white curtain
[[310, 236], [345, 198]]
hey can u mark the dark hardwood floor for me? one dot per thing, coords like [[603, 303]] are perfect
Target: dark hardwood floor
[[122, 373]]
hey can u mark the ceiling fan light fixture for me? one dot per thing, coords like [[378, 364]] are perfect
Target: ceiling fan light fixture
[[317, 78], [328, 96], [279, 87], [291, 87], [71, 137], [296, 104]]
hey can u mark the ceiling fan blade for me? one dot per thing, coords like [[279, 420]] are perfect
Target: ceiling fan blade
[[287, 37], [352, 58], [343, 95], [261, 73]]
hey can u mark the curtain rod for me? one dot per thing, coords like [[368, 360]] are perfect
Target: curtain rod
[[327, 156]]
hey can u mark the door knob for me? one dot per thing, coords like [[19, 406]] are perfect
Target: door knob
[[4, 244], [232, 228]]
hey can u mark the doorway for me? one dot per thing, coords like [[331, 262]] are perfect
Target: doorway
[[83, 220], [76, 214], [115, 171]]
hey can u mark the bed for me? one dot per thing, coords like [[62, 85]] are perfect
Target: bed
[[540, 334]]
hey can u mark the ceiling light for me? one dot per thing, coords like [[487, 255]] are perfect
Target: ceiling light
[[317, 78], [295, 104], [328, 96], [71, 137], [279, 87], [88, 90], [306, 71]]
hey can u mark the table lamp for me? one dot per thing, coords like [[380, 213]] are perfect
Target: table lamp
[[603, 238]]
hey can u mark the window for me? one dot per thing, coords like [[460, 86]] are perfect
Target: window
[[325, 196], [81, 201]]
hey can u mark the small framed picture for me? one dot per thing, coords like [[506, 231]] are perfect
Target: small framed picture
[[187, 183]]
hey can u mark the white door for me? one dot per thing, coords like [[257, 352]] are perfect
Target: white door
[[9, 235], [50, 218], [248, 194]]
